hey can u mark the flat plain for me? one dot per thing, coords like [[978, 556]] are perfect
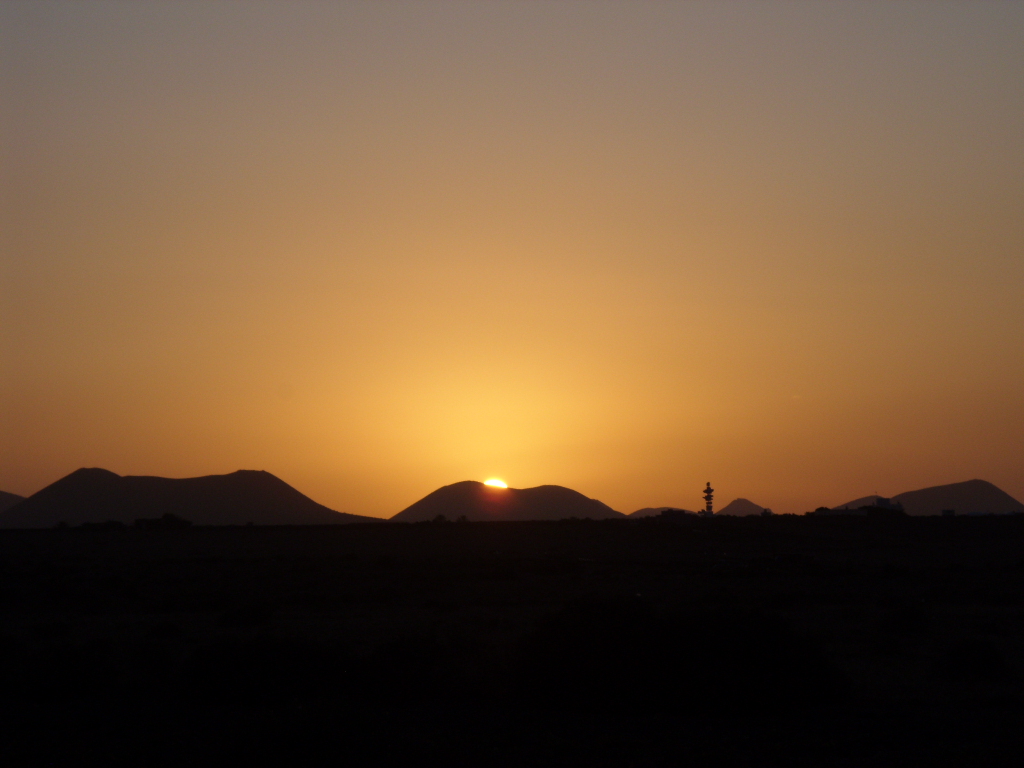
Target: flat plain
[[779, 640]]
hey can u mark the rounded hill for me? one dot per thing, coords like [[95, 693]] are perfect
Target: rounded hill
[[239, 498], [478, 503], [973, 497]]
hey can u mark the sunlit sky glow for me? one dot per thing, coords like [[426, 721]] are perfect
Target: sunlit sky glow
[[775, 245]]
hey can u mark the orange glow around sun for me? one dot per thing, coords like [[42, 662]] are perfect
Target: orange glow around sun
[[408, 258]]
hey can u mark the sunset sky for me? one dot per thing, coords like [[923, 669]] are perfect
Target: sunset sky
[[376, 248]]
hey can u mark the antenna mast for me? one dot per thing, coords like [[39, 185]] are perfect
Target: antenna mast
[[709, 501]]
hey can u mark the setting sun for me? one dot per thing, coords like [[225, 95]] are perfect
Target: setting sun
[[496, 483]]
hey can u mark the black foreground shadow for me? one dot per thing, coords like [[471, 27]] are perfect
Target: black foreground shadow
[[779, 641]]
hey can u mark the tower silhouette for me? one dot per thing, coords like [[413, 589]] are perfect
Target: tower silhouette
[[709, 504]]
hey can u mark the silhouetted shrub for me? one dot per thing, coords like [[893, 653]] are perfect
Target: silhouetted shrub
[[675, 515]]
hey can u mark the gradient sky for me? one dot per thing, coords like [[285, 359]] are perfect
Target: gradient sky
[[376, 248]]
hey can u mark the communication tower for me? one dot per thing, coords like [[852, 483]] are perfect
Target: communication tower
[[709, 501]]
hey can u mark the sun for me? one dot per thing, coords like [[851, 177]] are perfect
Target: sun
[[496, 483]]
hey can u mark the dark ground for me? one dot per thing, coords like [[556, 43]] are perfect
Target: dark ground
[[778, 641]]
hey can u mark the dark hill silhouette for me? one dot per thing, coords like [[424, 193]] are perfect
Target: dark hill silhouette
[[740, 508], [656, 511], [8, 500], [97, 495], [478, 502], [974, 497]]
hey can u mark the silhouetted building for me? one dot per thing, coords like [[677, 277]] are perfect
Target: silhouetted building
[[889, 504], [709, 502]]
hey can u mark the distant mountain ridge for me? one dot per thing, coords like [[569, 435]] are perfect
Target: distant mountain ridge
[[239, 498], [973, 497], [478, 502], [8, 500]]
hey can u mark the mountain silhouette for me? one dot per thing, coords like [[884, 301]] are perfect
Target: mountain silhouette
[[656, 511], [973, 497], [8, 500], [97, 495], [740, 508], [478, 502]]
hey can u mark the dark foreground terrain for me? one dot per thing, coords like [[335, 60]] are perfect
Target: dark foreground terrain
[[775, 641]]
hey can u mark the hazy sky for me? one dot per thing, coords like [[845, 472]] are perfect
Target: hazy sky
[[375, 248]]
